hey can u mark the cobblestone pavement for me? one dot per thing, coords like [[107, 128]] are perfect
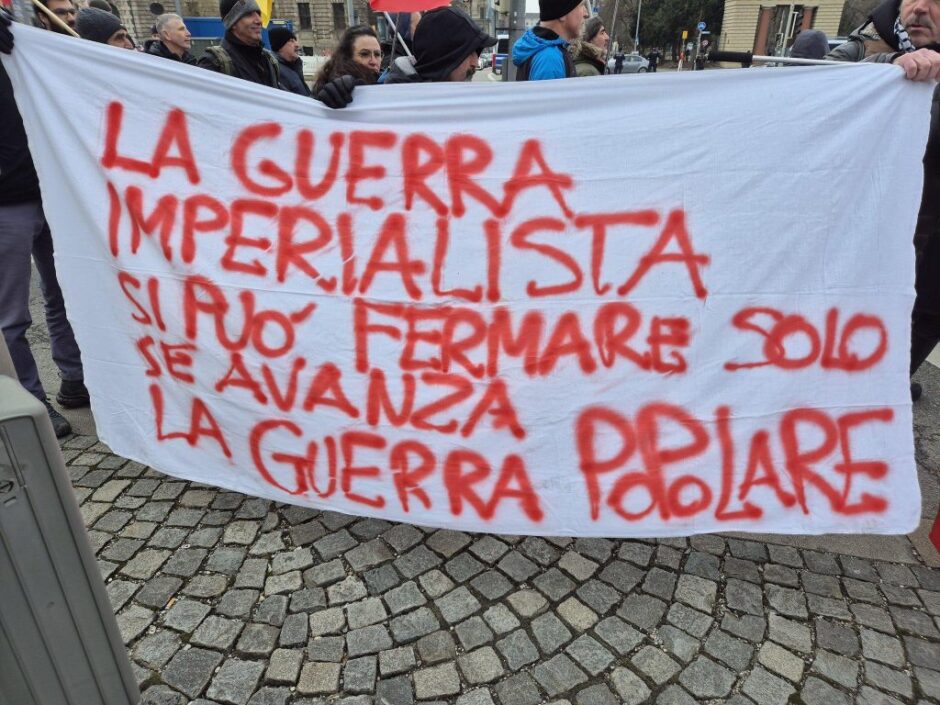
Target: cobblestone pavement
[[223, 598]]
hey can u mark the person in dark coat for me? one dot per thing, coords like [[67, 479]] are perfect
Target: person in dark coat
[[810, 44], [286, 48], [906, 33], [174, 41], [25, 235], [358, 56], [242, 54]]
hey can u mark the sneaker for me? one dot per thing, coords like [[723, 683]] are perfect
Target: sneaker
[[60, 424], [72, 394], [916, 391]]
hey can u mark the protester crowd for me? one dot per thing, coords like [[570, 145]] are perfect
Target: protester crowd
[[445, 46]]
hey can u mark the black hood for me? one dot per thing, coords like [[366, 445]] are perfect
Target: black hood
[[883, 17], [443, 39]]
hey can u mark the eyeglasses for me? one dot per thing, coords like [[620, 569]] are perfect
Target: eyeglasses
[[65, 12], [365, 54]]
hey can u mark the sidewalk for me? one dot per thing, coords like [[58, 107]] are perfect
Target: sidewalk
[[223, 598]]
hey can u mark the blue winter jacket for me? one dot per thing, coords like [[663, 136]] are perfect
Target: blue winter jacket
[[546, 52]]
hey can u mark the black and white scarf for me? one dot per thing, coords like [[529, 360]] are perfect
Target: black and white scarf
[[904, 41]]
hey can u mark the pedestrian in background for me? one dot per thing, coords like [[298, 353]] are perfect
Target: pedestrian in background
[[588, 52], [810, 44], [654, 57], [286, 49], [542, 52], [174, 41]]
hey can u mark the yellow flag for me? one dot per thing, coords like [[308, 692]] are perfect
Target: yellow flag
[[267, 8]]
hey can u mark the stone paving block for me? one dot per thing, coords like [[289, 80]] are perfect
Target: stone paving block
[[185, 562], [365, 612], [818, 692], [326, 648], [500, 619], [730, 650], [369, 555], [886, 678], [294, 631], [629, 686], [872, 616], [677, 643], [334, 544], [436, 647], [667, 556], [869, 696], [793, 635], [145, 564], [480, 666], [692, 621], [518, 650], [473, 632], [404, 598], [271, 610], [661, 583], [319, 679], [368, 640], [655, 664], [705, 679], [359, 675], [210, 585], [447, 543], [457, 605], [436, 681], [408, 627], [550, 632], [216, 633], [643, 611], [599, 596], [517, 566], [520, 689], [241, 533], [189, 671], [463, 567], [227, 560], [836, 668], [577, 566], [307, 600], [491, 584], [237, 603], [590, 654], [257, 640], [284, 666], [480, 696], [598, 694], [488, 549], [157, 591], [881, 647], [703, 565], [618, 634], [558, 675], [435, 583], [397, 660], [744, 597], [827, 607], [929, 681], [235, 681], [782, 575], [862, 591], [540, 550], [638, 553], [527, 603], [251, 574], [395, 691], [288, 561], [325, 574], [780, 661], [120, 591], [697, 592], [154, 650], [914, 622], [417, 561], [401, 537], [578, 615], [329, 621], [349, 590], [162, 695], [621, 575], [132, 621], [922, 653], [186, 615], [837, 637], [767, 689]]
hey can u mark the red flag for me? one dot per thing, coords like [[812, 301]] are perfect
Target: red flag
[[406, 5]]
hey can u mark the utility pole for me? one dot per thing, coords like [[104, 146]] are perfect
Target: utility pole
[[636, 37], [612, 32], [350, 13], [516, 30]]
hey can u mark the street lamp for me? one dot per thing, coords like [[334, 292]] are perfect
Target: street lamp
[[636, 37]]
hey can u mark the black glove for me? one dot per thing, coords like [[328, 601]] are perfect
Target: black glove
[[338, 93], [6, 36]]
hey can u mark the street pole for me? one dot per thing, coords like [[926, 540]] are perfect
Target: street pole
[[516, 30], [636, 38], [612, 32], [350, 13]]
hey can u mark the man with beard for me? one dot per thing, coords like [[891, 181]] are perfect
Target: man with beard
[[907, 33], [242, 54]]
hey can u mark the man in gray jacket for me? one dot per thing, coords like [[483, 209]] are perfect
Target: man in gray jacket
[[907, 33]]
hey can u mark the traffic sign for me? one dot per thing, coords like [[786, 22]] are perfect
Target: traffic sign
[[685, 34], [701, 26]]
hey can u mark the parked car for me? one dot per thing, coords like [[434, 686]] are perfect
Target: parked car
[[486, 60], [632, 63]]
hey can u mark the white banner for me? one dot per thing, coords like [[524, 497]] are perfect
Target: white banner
[[625, 306]]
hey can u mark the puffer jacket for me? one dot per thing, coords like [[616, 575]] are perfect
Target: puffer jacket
[[588, 59]]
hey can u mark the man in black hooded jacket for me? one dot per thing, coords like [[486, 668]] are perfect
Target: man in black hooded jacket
[[447, 45], [242, 54], [907, 33]]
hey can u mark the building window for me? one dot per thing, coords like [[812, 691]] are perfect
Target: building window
[[308, 51], [303, 12], [339, 16]]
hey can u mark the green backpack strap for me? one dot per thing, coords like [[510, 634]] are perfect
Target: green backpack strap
[[225, 61]]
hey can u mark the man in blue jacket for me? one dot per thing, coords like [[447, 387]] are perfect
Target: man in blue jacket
[[542, 52]]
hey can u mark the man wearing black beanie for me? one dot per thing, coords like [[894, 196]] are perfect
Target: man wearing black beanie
[[542, 52], [285, 48], [102, 27], [242, 54]]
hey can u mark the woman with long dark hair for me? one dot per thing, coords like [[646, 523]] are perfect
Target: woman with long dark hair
[[358, 56]]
